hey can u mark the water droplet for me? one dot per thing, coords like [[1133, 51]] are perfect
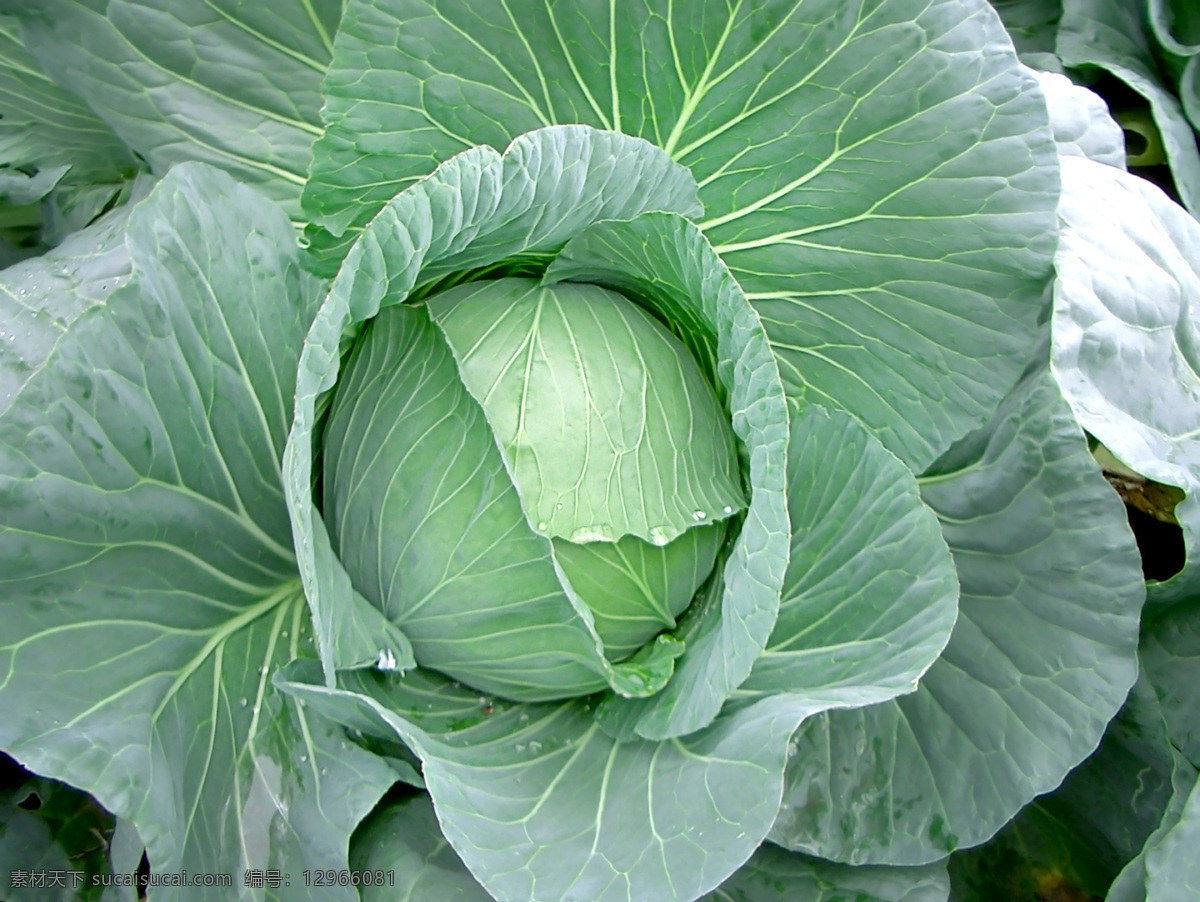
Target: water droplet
[[524, 718], [262, 671], [559, 505], [728, 509], [243, 702], [792, 749], [698, 515], [659, 535], [542, 527], [303, 758], [535, 747], [324, 771], [520, 747], [285, 634]]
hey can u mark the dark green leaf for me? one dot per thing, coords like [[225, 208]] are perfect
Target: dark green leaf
[[773, 874], [403, 845]]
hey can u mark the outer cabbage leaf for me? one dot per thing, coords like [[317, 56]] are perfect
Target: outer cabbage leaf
[[43, 126], [1166, 867], [1170, 653], [1189, 91], [1094, 825], [871, 591], [81, 166], [406, 838], [41, 297], [1041, 658], [1175, 24], [773, 874], [231, 83], [1080, 121], [1170, 656], [1127, 334], [46, 826], [543, 805], [18, 189], [1172, 868], [1033, 27], [1112, 34], [147, 584], [405, 841], [870, 237]]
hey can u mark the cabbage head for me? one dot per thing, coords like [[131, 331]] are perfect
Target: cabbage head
[[554, 452]]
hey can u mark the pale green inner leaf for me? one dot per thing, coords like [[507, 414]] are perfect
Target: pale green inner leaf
[[607, 424]]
